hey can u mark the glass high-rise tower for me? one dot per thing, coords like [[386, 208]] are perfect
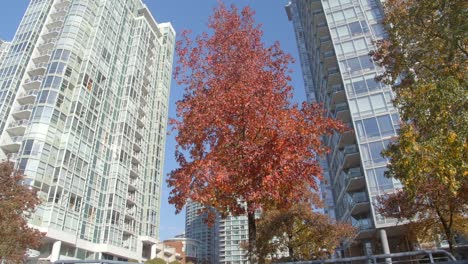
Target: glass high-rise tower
[[334, 39], [84, 93]]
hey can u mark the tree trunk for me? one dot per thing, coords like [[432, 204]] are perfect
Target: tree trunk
[[253, 259]]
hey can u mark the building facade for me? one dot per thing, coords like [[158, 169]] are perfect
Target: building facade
[[186, 248], [220, 242], [3, 49], [84, 94], [334, 39], [197, 229]]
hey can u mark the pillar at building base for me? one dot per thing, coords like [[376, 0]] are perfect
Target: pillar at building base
[[384, 242], [153, 251], [55, 255]]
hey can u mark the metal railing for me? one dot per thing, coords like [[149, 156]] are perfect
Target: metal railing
[[412, 257]]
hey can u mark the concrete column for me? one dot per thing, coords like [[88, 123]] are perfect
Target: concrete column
[[55, 255], [153, 251], [384, 242]]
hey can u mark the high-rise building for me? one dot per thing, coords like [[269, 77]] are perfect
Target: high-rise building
[[222, 241], [196, 228], [84, 94], [3, 49], [334, 38], [232, 233]]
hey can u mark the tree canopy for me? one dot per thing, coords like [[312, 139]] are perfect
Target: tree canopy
[[241, 145], [425, 63], [16, 200]]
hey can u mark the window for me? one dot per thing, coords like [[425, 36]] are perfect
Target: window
[[375, 149], [385, 124], [371, 128], [364, 105]]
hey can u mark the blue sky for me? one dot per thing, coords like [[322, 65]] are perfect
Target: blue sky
[[189, 14]]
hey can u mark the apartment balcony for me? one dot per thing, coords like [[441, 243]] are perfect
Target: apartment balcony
[[23, 112], [358, 203], [18, 128], [325, 43], [337, 94], [137, 145], [33, 83], [42, 57], [128, 228], [62, 4], [47, 45], [28, 97], [136, 157], [60, 11], [333, 76], [144, 89], [141, 121], [351, 156], [142, 109], [13, 145], [139, 133], [340, 111], [56, 23], [38, 69], [133, 184], [355, 180], [130, 212], [134, 171], [51, 34], [144, 100], [364, 227], [131, 199]]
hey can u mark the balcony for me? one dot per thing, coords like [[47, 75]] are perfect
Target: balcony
[[133, 184], [139, 132], [338, 94], [131, 199], [141, 121], [134, 171], [38, 69], [128, 228], [56, 23], [33, 83], [136, 157], [137, 145], [358, 203], [13, 145], [18, 128], [42, 57], [61, 11], [130, 212], [62, 4], [23, 112], [142, 109], [350, 154], [46, 45], [340, 111], [355, 180], [28, 97], [51, 34], [363, 224]]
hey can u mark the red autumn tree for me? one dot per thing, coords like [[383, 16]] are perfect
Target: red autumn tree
[[16, 200], [242, 146]]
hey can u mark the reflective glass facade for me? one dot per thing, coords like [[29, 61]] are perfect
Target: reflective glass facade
[[334, 39], [84, 94]]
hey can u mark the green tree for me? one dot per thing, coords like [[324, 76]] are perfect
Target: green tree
[[156, 261], [174, 262], [304, 234], [16, 202], [425, 61]]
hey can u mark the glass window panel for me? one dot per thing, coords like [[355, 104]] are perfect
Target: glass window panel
[[353, 107], [353, 65], [347, 47], [350, 13], [343, 31], [371, 128], [385, 124], [378, 103], [375, 149], [372, 84], [338, 16], [364, 105], [360, 44], [360, 129], [359, 85], [355, 28], [383, 182], [366, 62]]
